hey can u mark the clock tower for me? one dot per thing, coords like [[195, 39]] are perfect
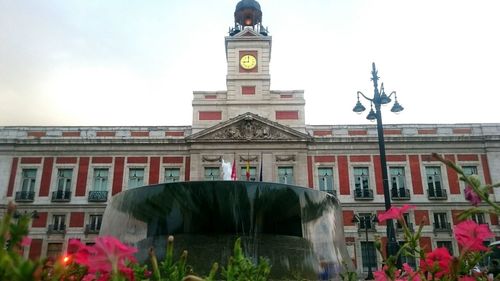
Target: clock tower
[[248, 56]]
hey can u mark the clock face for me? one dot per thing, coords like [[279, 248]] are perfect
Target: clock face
[[248, 62]]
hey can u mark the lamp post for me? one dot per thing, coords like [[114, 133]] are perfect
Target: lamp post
[[379, 99], [365, 221]]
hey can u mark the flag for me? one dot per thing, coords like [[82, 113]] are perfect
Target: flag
[[247, 172], [233, 172]]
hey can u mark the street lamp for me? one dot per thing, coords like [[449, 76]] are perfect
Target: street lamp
[[380, 98], [366, 221]]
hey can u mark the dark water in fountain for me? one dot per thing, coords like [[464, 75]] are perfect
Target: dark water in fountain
[[299, 230]]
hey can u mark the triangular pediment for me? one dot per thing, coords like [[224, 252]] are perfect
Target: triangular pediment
[[248, 32], [249, 127]]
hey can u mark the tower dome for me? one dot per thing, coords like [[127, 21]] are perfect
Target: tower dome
[[248, 13]]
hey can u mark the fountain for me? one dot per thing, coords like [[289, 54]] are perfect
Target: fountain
[[299, 230]]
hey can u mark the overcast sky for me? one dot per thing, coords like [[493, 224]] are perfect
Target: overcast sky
[[116, 62]]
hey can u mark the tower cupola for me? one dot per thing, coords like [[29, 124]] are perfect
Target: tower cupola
[[248, 15]]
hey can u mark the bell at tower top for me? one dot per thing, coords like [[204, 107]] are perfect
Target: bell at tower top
[[248, 15]]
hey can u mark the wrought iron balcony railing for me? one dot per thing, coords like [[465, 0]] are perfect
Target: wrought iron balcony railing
[[92, 229], [98, 196], [363, 194], [61, 196], [25, 196], [437, 194], [442, 227], [56, 229], [400, 194]]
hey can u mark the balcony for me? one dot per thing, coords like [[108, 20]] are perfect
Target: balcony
[[363, 229], [98, 196], [437, 194], [91, 229], [399, 227], [400, 194], [56, 229], [25, 196], [61, 196], [363, 194], [442, 227]]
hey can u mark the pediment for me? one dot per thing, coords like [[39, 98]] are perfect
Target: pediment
[[247, 32], [249, 127]]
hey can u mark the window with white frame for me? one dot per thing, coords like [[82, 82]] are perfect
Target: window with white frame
[[172, 174], [135, 177], [366, 221], [252, 172], [434, 181], [368, 256], [54, 249], [58, 222], [285, 175], [479, 218], [100, 181], [441, 221], [212, 173], [64, 177], [398, 182], [325, 179], [95, 222], [406, 218], [361, 178], [28, 180], [445, 244], [470, 170]]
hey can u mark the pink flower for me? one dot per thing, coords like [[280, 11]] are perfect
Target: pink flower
[[395, 213], [26, 241], [437, 262], [471, 196], [471, 235], [380, 275], [107, 255], [412, 275]]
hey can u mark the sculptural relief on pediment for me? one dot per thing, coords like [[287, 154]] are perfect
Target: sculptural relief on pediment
[[249, 130]]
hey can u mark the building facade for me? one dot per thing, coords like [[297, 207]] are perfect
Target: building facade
[[68, 174]]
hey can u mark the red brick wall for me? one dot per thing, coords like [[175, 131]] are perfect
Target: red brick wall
[[81, 181], [31, 160], [347, 217], [310, 178], [137, 160], [41, 221], [102, 160], [173, 159], [360, 158], [12, 178], [174, 133], [416, 177], [105, 134], [324, 159], [76, 219], [343, 175], [48, 163], [426, 244], [210, 115], [187, 169], [118, 175], [154, 170], [248, 90], [377, 167], [66, 160], [287, 115], [35, 249], [467, 157], [421, 216], [452, 176], [486, 169], [357, 132], [396, 158]]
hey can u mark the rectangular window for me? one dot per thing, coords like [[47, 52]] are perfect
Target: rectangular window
[[361, 178], [252, 171], [135, 177], [100, 179], [285, 175], [470, 170], [95, 222], [172, 174], [441, 221], [410, 260], [398, 182], [478, 218], [54, 249], [325, 179], [212, 173], [368, 256], [28, 180], [406, 217], [58, 223], [433, 174], [446, 244], [64, 180]]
